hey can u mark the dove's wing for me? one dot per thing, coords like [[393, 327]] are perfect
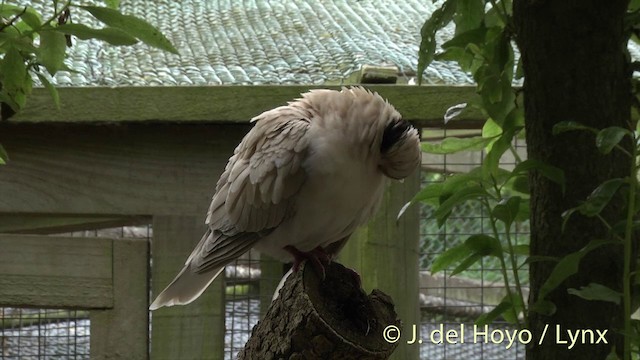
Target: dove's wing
[[257, 189], [254, 195]]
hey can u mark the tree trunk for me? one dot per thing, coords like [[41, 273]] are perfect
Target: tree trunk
[[575, 69], [331, 320]]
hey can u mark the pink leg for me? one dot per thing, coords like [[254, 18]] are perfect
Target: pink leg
[[317, 257]]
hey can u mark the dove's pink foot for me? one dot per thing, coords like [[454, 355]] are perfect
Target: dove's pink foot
[[318, 258]]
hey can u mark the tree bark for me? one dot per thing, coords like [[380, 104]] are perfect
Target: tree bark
[[331, 319], [575, 69]]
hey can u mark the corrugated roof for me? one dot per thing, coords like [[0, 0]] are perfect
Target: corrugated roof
[[258, 42]]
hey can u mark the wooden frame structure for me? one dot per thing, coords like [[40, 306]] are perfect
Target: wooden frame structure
[[153, 154]]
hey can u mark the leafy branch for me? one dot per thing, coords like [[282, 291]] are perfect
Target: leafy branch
[[482, 46], [32, 47]]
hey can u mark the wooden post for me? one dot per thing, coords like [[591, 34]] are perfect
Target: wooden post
[[329, 319], [385, 254], [123, 332], [194, 331]]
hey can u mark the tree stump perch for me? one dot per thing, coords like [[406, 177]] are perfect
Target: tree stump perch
[[330, 319]]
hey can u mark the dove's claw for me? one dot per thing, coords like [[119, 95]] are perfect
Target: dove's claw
[[318, 258]]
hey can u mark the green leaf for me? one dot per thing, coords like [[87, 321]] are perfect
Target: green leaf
[[429, 192], [452, 145], [600, 197], [474, 248], [511, 315], [457, 182], [495, 76], [463, 39], [439, 18], [609, 137], [52, 90], [491, 161], [544, 307], [613, 355], [133, 26], [12, 70], [533, 259], [524, 212], [16, 82], [470, 193], [112, 4], [466, 263], [522, 249], [519, 183], [549, 171], [4, 157], [484, 245], [565, 126], [469, 15], [53, 47], [451, 256], [500, 309], [566, 215], [621, 226], [568, 266], [491, 129], [599, 292], [111, 35], [465, 59], [28, 14], [507, 210]]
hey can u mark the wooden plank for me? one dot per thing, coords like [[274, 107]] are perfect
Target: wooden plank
[[223, 103], [45, 271], [194, 331], [134, 169], [385, 253], [49, 223], [123, 332]]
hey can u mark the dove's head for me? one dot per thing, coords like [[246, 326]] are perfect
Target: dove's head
[[399, 149], [370, 123]]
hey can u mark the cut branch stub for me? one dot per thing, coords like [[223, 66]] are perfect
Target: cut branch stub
[[330, 319]]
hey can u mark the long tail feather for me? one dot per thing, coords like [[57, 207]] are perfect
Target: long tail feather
[[185, 288]]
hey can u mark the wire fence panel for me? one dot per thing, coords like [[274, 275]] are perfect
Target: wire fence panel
[[242, 302], [454, 302], [49, 334]]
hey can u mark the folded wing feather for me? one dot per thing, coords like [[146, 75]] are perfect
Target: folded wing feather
[[253, 196]]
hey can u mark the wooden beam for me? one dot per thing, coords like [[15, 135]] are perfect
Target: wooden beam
[[50, 223], [59, 272], [236, 104], [123, 332], [194, 331], [385, 253], [129, 170]]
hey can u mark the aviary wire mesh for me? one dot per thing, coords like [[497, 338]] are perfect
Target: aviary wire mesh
[[54, 334], [452, 301], [43, 334], [242, 301]]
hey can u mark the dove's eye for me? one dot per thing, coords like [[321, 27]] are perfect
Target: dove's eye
[[392, 133]]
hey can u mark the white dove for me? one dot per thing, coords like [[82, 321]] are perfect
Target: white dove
[[300, 183]]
